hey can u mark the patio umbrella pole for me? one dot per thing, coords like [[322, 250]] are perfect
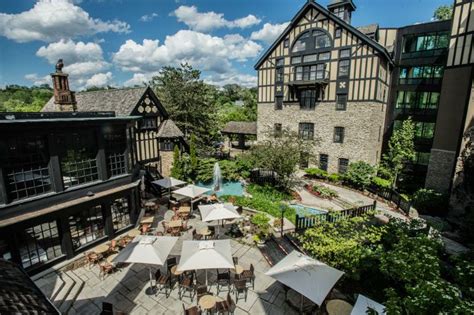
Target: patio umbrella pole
[[301, 306], [151, 279]]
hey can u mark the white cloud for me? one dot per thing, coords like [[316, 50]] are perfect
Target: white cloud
[[203, 51], [269, 32], [140, 79], [206, 21], [233, 77], [38, 80], [99, 80], [51, 20], [148, 17]]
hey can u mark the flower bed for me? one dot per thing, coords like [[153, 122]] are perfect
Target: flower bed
[[322, 191]]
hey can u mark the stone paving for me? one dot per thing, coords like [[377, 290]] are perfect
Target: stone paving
[[127, 288]]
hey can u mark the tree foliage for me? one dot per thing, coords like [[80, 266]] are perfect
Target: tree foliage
[[443, 12], [15, 98], [359, 174], [401, 149], [188, 100]]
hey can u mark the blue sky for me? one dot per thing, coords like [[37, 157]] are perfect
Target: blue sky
[[126, 42]]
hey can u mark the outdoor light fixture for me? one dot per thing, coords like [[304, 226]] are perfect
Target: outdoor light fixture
[[282, 209]]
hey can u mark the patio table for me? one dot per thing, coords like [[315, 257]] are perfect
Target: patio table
[[184, 209], [238, 269], [175, 223], [133, 233], [174, 271], [338, 307], [207, 302], [147, 220], [204, 231], [101, 249], [110, 258]]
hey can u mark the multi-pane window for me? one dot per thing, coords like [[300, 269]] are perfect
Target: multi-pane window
[[120, 213], [279, 103], [306, 131], [321, 39], [86, 226], [308, 99], [26, 167], [345, 53], [310, 73], [312, 40], [341, 102], [339, 12], [78, 153], [115, 148], [304, 160], [416, 43], [277, 130], [422, 158], [344, 68], [343, 165], [310, 58], [338, 33], [296, 60], [148, 123], [39, 244], [324, 56], [280, 74], [166, 145], [286, 43], [323, 162], [338, 134], [300, 44], [418, 100], [424, 129], [280, 62], [413, 75]]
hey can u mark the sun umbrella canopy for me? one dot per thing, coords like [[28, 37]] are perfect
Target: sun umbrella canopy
[[196, 255], [191, 191], [152, 250], [168, 182], [306, 275], [218, 211], [363, 304]]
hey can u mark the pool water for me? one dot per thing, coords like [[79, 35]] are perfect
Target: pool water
[[228, 188], [304, 210]]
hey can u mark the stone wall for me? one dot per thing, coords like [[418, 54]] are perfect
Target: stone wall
[[363, 123], [440, 170], [166, 162]]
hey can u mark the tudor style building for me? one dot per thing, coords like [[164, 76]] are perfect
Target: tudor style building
[[329, 82], [348, 88], [154, 135]]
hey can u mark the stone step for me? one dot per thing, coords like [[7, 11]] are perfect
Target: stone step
[[63, 294], [73, 293], [58, 286]]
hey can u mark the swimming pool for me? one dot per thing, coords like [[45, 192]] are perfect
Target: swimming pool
[[228, 188], [304, 210]]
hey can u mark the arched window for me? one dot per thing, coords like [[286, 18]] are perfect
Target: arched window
[[312, 40]]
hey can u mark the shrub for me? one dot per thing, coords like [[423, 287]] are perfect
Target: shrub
[[316, 173], [359, 174], [380, 182], [335, 178], [324, 192], [427, 200]]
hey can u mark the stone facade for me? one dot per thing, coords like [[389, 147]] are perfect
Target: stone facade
[[166, 162], [363, 123], [440, 170]]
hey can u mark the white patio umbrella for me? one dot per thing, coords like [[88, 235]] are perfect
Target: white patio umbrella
[[168, 182], [306, 275], [197, 255], [191, 191], [149, 250], [363, 304], [218, 211]]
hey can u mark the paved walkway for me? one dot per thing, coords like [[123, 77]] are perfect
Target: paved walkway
[[82, 292]]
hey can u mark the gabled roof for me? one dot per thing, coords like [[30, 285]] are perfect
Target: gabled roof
[[240, 127], [19, 294], [121, 101], [331, 16], [369, 29], [168, 129]]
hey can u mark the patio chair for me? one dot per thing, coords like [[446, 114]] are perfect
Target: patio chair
[[223, 280], [166, 228], [226, 306], [201, 290], [92, 258], [186, 285], [235, 260], [240, 287], [105, 269], [196, 236], [212, 229], [107, 309], [193, 310], [162, 282], [249, 276], [170, 262]]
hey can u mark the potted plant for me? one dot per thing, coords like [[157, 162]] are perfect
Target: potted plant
[[262, 228]]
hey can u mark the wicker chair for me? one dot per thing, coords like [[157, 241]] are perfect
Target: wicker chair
[[240, 287], [105, 269], [193, 310], [249, 276], [162, 282], [196, 236], [223, 280], [226, 306], [201, 290], [186, 285]]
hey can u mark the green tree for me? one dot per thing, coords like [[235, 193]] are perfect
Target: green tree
[[176, 170], [193, 155], [443, 12], [401, 149], [359, 174], [15, 98], [189, 102]]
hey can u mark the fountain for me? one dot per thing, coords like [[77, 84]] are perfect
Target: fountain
[[217, 178]]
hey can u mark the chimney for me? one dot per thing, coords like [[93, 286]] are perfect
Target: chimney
[[342, 9], [63, 97]]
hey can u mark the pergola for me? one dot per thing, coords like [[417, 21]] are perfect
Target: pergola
[[240, 129]]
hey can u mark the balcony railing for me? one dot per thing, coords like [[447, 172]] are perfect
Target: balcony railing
[[425, 53], [411, 111], [308, 77], [418, 81]]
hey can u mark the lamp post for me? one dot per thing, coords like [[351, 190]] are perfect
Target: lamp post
[[282, 210]]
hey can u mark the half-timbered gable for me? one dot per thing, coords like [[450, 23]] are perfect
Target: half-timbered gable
[[325, 75]]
